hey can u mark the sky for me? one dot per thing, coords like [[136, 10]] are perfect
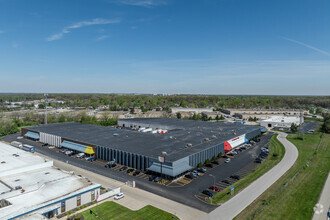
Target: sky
[[273, 47]]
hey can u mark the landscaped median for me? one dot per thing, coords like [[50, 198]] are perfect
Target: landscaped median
[[295, 194], [112, 210], [276, 153]]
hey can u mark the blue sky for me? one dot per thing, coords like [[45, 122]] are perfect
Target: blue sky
[[278, 47]]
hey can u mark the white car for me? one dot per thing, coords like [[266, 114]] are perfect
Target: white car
[[80, 155], [227, 160], [19, 137], [119, 196]]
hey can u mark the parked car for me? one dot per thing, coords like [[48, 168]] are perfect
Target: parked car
[[258, 160], [80, 155], [119, 196], [243, 148], [110, 165], [69, 152], [227, 181], [90, 159], [235, 176], [123, 168], [44, 145], [202, 170], [227, 160], [209, 165], [130, 170], [157, 179], [137, 172], [215, 162], [208, 193], [214, 188], [196, 173], [63, 150]]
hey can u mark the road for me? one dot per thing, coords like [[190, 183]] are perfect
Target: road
[[323, 206], [238, 203]]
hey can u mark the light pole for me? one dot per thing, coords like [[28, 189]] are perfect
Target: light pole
[[213, 179], [162, 160], [46, 107]]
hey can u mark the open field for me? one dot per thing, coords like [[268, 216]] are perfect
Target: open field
[[275, 148], [112, 210], [295, 194]]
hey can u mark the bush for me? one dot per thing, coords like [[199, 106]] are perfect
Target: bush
[[219, 155], [213, 158], [207, 161], [199, 165], [275, 154], [78, 208]]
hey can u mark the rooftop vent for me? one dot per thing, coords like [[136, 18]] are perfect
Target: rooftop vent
[[3, 161], [189, 145], [213, 136], [115, 134], [206, 139], [47, 173], [18, 187], [17, 180]]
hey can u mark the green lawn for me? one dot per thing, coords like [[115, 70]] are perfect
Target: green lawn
[[112, 210], [275, 147], [297, 200]]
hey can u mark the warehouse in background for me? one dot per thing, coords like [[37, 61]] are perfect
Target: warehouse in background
[[163, 146], [281, 122]]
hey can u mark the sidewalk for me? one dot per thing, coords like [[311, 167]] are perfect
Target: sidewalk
[[321, 210]]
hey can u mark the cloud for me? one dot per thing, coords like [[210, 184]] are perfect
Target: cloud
[[103, 37], [66, 30], [142, 3], [308, 46]]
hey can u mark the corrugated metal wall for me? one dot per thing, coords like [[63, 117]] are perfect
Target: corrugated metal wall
[[208, 153], [50, 139], [139, 162]]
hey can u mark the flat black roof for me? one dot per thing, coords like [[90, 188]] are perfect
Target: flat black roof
[[148, 144]]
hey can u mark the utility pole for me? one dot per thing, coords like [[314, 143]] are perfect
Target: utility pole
[[213, 179], [45, 95]]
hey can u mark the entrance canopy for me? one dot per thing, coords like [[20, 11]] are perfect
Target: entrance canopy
[[77, 147], [32, 135]]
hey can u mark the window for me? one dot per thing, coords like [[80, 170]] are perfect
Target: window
[[92, 195], [62, 206], [78, 201]]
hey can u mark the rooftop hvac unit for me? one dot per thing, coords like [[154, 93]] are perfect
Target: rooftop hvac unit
[[189, 145], [206, 139], [213, 136], [115, 134]]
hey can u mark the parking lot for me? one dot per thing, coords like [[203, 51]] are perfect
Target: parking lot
[[308, 126], [183, 190]]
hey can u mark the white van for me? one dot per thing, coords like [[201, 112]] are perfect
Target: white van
[[80, 155]]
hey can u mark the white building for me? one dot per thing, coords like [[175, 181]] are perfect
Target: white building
[[281, 121], [31, 188]]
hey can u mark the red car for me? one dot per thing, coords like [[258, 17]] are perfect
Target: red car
[[214, 188]]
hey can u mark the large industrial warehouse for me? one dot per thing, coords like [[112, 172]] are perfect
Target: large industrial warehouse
[[139, 142]]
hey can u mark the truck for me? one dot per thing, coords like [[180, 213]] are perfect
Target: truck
[[16, 144], [28, 148]]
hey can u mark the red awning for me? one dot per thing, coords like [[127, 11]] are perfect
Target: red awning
[[227, 147]]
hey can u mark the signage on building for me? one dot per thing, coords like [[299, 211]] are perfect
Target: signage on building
[[161, 159]]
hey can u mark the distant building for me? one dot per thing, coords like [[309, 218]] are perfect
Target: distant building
[[192, 110], [281, 121], [31, 188]]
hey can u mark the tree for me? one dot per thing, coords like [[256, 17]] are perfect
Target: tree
[[199, 165], [217, 118], [178, 115], [294, 128], [214, 158], [326, 123], [204, 117], [41, 106], [207, 161], [219, 155]]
